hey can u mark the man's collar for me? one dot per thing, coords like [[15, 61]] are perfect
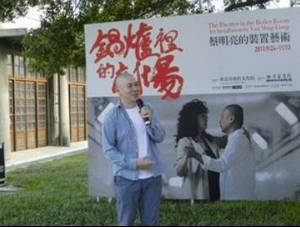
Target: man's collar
[[235, 132], [119, 104]]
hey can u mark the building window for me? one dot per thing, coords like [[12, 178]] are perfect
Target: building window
[[28, 105], [19, 69], [78, 107], [81, 75], [30, 72], [10, 65]]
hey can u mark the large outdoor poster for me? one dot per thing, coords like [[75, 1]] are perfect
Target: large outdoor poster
[[246, 58]]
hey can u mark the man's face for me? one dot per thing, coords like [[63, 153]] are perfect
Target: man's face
[[226, 120], [128, 89]]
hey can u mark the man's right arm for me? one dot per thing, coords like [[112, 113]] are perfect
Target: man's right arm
[[234, 153], [109, 142]]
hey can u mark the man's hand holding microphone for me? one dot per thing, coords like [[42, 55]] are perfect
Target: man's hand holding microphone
[[144, 163], [145, 112]]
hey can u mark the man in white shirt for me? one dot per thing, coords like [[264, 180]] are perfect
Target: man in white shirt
[[130, 134], [236, 164]]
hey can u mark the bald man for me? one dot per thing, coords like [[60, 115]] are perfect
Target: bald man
[[131, 145], [236, 164]]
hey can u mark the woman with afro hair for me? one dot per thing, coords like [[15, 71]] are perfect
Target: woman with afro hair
[[191, 133]]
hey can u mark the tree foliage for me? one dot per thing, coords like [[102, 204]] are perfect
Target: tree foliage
[[239, 4], [9, 9], [59, 42]]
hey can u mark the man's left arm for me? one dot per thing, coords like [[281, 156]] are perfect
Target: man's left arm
[[155, 131]]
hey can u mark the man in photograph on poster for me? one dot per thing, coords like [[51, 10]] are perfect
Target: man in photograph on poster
[[236, 164], [130, 135]]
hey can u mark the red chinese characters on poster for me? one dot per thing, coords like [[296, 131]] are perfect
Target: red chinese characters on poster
[[160, 73]]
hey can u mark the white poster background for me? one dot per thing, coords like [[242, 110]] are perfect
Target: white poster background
[[208, 69], [269, 81]]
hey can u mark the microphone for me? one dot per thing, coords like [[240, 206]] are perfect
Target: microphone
[[140, 104]]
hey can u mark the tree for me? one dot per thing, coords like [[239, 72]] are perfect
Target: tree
[[239, 4], [59, 42], [10, 9]]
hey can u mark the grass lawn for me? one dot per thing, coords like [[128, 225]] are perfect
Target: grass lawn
[[56, 193]]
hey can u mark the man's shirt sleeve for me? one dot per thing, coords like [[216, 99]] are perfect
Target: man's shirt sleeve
[[109, 142]]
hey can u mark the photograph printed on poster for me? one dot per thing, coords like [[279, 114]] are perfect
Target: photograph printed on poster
[[272, 123]]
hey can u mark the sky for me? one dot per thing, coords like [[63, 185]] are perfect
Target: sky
[[31, 20]]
